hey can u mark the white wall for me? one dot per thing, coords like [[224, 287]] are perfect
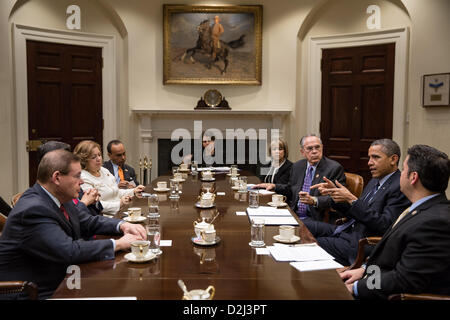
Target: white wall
[[138, 26]]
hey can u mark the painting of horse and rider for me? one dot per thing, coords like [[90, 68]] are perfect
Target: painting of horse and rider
[[212, 45]]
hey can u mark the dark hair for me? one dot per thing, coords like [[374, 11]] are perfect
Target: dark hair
[[50, 146], [432, 166], [56, 160], [302, 140], [388, 146], [108, 147]]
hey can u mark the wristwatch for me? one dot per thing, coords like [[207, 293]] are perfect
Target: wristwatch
[[315, 201]]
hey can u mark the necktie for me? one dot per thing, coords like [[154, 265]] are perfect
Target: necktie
[[400, 217], [121, 174], [63, 210], [302, 208], [367, 198]]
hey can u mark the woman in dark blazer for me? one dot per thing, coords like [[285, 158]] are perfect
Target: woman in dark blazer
[[280, 167]]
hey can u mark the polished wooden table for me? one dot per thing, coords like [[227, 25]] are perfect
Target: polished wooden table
[[231, 266]]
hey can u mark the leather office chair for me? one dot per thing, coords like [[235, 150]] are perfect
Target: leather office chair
[[11, 287], [355, 184], [2, 222], [15, 198]]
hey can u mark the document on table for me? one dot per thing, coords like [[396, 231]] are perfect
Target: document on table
[[272, 216], [299, 253], [316, 265]]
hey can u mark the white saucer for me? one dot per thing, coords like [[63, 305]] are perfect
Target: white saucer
[[184, 170], [291, 240], [198, 205], [178, 180], [161, 189], [201, 242], [284, 204], [233, 175], [212, 179], [131, 257], [234, 188], [140, 219]]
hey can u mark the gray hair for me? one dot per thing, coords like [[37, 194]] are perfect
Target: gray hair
[[388, 146], [302, 140]]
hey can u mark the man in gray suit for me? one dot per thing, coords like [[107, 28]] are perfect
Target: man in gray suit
[[304, 201], [44, 232]]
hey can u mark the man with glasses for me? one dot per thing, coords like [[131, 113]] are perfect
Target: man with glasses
[[306, 202]]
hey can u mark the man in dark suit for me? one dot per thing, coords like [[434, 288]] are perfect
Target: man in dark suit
[[44, 231], [124, 174], [413, 256], [381, 202], [304, 201]]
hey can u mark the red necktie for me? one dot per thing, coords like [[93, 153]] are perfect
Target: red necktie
[[63, 210]]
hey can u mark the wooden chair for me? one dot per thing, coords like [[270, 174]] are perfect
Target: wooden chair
[[10, 287], [15, 198], [422, 296], [355, 184]]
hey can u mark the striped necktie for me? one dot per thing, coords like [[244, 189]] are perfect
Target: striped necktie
[[302, 208]]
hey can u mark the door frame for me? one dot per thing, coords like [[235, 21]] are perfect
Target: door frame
[[21, 34], [314, 84]]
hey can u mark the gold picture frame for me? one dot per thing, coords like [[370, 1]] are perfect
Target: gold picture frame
[[212, 44]]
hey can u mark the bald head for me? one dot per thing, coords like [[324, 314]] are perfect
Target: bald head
[[56, 160]]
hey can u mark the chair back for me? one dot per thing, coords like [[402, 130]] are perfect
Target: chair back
[[355, 183], [15, 198], [422, 296], [12, 287], [2, 222]]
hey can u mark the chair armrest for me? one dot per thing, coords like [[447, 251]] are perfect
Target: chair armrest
[[7, 287], [360, 258], [422, 296]]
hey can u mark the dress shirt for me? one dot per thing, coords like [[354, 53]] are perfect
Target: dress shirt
[[116, 172]]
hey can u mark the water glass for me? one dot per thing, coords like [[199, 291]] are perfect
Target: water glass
[[153, 206], [242, 184], [253, 199], [174, 170], [154, 236], [194, 167], [174, 190], [257, 233]]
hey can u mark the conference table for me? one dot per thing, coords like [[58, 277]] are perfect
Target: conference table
[[231, 266]]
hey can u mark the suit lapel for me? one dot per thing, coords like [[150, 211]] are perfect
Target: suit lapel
[[384, 187]]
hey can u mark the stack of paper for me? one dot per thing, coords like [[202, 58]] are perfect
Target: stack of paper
[[305, 257], [272, 216]]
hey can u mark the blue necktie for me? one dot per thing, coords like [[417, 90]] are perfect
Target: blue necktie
[[368, 198], [301, 207]]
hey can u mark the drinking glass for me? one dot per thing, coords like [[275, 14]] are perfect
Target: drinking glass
[[194, 167], [154, 236], [257, 233], [153, 206], [174, 190], [243, 184], [253, 199], [174, 170]]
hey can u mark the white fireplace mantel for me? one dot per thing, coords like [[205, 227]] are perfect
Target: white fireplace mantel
[[157, 124]]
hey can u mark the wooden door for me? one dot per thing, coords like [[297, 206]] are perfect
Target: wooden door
[[64, 95], [357, 102]]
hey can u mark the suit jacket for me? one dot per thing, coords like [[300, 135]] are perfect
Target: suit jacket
[[325, 168], [282, 175], [374, 217], [414, 256], [128, 172], [38, 243]]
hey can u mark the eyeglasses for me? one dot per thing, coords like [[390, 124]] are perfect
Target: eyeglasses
[[311, 148]]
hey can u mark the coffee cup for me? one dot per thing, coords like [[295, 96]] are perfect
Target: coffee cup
[[162, 184], [206, 202], [201, 226], [286, 232], [134, 213], [208, 235], [183, 166], [178, 176], [140, 248], [278, 199], [207, 175]]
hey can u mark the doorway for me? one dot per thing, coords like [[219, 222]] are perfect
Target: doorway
[[356, 102], [64, 95]]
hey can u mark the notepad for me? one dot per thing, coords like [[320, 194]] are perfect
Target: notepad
[[316, 265], [299, 253]]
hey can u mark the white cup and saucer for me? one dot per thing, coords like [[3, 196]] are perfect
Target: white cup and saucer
[[140, 252], [278, 200], [134, 215], [161, 186], [286, 234]]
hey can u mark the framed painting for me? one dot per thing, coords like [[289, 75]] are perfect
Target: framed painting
[[436, 90], [212, 44]]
